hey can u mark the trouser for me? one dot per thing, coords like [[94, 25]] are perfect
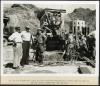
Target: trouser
[[17, 54], [25, 57], [39, 53]]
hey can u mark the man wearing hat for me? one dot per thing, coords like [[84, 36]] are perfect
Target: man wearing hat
[[17, 47], [40, 46], [26, 37]]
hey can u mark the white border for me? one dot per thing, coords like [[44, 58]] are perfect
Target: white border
[[54, 2]]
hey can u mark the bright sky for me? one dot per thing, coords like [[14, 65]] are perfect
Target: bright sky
[[68, 7]]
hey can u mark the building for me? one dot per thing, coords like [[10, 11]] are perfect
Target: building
[[79, 26]]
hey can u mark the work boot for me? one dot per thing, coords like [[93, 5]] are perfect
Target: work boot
[[15, 67]]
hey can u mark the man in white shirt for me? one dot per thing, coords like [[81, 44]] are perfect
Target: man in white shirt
[[17, 47], [26, 37]]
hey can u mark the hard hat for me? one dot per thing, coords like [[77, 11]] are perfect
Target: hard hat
[[17, 28], [39, 29], [27, 27]]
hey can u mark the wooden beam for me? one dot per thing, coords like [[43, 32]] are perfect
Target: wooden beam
[[55, 10], [90, 61]]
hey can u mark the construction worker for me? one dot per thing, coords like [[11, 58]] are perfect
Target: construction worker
[[17, 47], [82, 45], [71, 47], [40, 46], [26, 36]]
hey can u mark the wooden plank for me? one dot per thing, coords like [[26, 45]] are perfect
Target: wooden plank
[[90, 61]]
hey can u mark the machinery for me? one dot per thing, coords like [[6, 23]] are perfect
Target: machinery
[[6, 32], [50, 22]]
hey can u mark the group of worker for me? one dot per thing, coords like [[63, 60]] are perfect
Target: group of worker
[[23, 40], [21, 45], [78, 46]]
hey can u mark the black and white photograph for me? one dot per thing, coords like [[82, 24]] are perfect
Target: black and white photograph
[[49, 38]]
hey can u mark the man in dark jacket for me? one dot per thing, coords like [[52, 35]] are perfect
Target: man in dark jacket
[[40, 46]]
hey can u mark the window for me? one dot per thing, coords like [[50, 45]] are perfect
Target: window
[[78, 28], [74, 30], [78, 22], [83, 30], [83, 23]]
